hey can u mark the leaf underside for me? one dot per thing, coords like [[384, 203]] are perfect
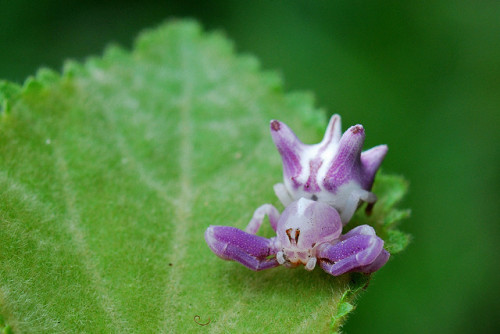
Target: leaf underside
[[111, 171]]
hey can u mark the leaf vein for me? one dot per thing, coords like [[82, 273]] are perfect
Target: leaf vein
[[79, 239], [183, 205]]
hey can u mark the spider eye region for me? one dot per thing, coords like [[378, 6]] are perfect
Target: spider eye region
[[293, 235]]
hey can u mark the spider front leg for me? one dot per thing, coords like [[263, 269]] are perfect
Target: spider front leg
[[252, 251], [258, 217], [359, 250]]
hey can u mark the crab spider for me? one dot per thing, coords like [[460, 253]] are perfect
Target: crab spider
[[334, 171], [307, 232]]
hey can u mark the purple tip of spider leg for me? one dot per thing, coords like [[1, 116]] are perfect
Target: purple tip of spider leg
[[230, 243], [289, 147], [345, 165], [351, 143], [371, 161]]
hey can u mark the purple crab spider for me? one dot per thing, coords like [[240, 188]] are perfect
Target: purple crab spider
[[307, 232], [334, 171]]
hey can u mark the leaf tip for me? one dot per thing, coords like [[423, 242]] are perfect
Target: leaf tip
[[47, 76], [71, 68], [114, 51], [8, 92], [32, 84], [397, 241], [187, 29]]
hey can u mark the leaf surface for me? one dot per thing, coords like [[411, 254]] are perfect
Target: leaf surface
[[111, 172]]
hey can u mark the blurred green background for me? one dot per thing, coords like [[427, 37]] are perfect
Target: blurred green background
[[422, 76]]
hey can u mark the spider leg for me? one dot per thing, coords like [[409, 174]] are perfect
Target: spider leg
[[252, 251], [359, 250], [282, 194], [258, 216], [353, 201]]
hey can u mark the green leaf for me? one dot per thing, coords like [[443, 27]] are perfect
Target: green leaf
[[385, 216], [111, 172]]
